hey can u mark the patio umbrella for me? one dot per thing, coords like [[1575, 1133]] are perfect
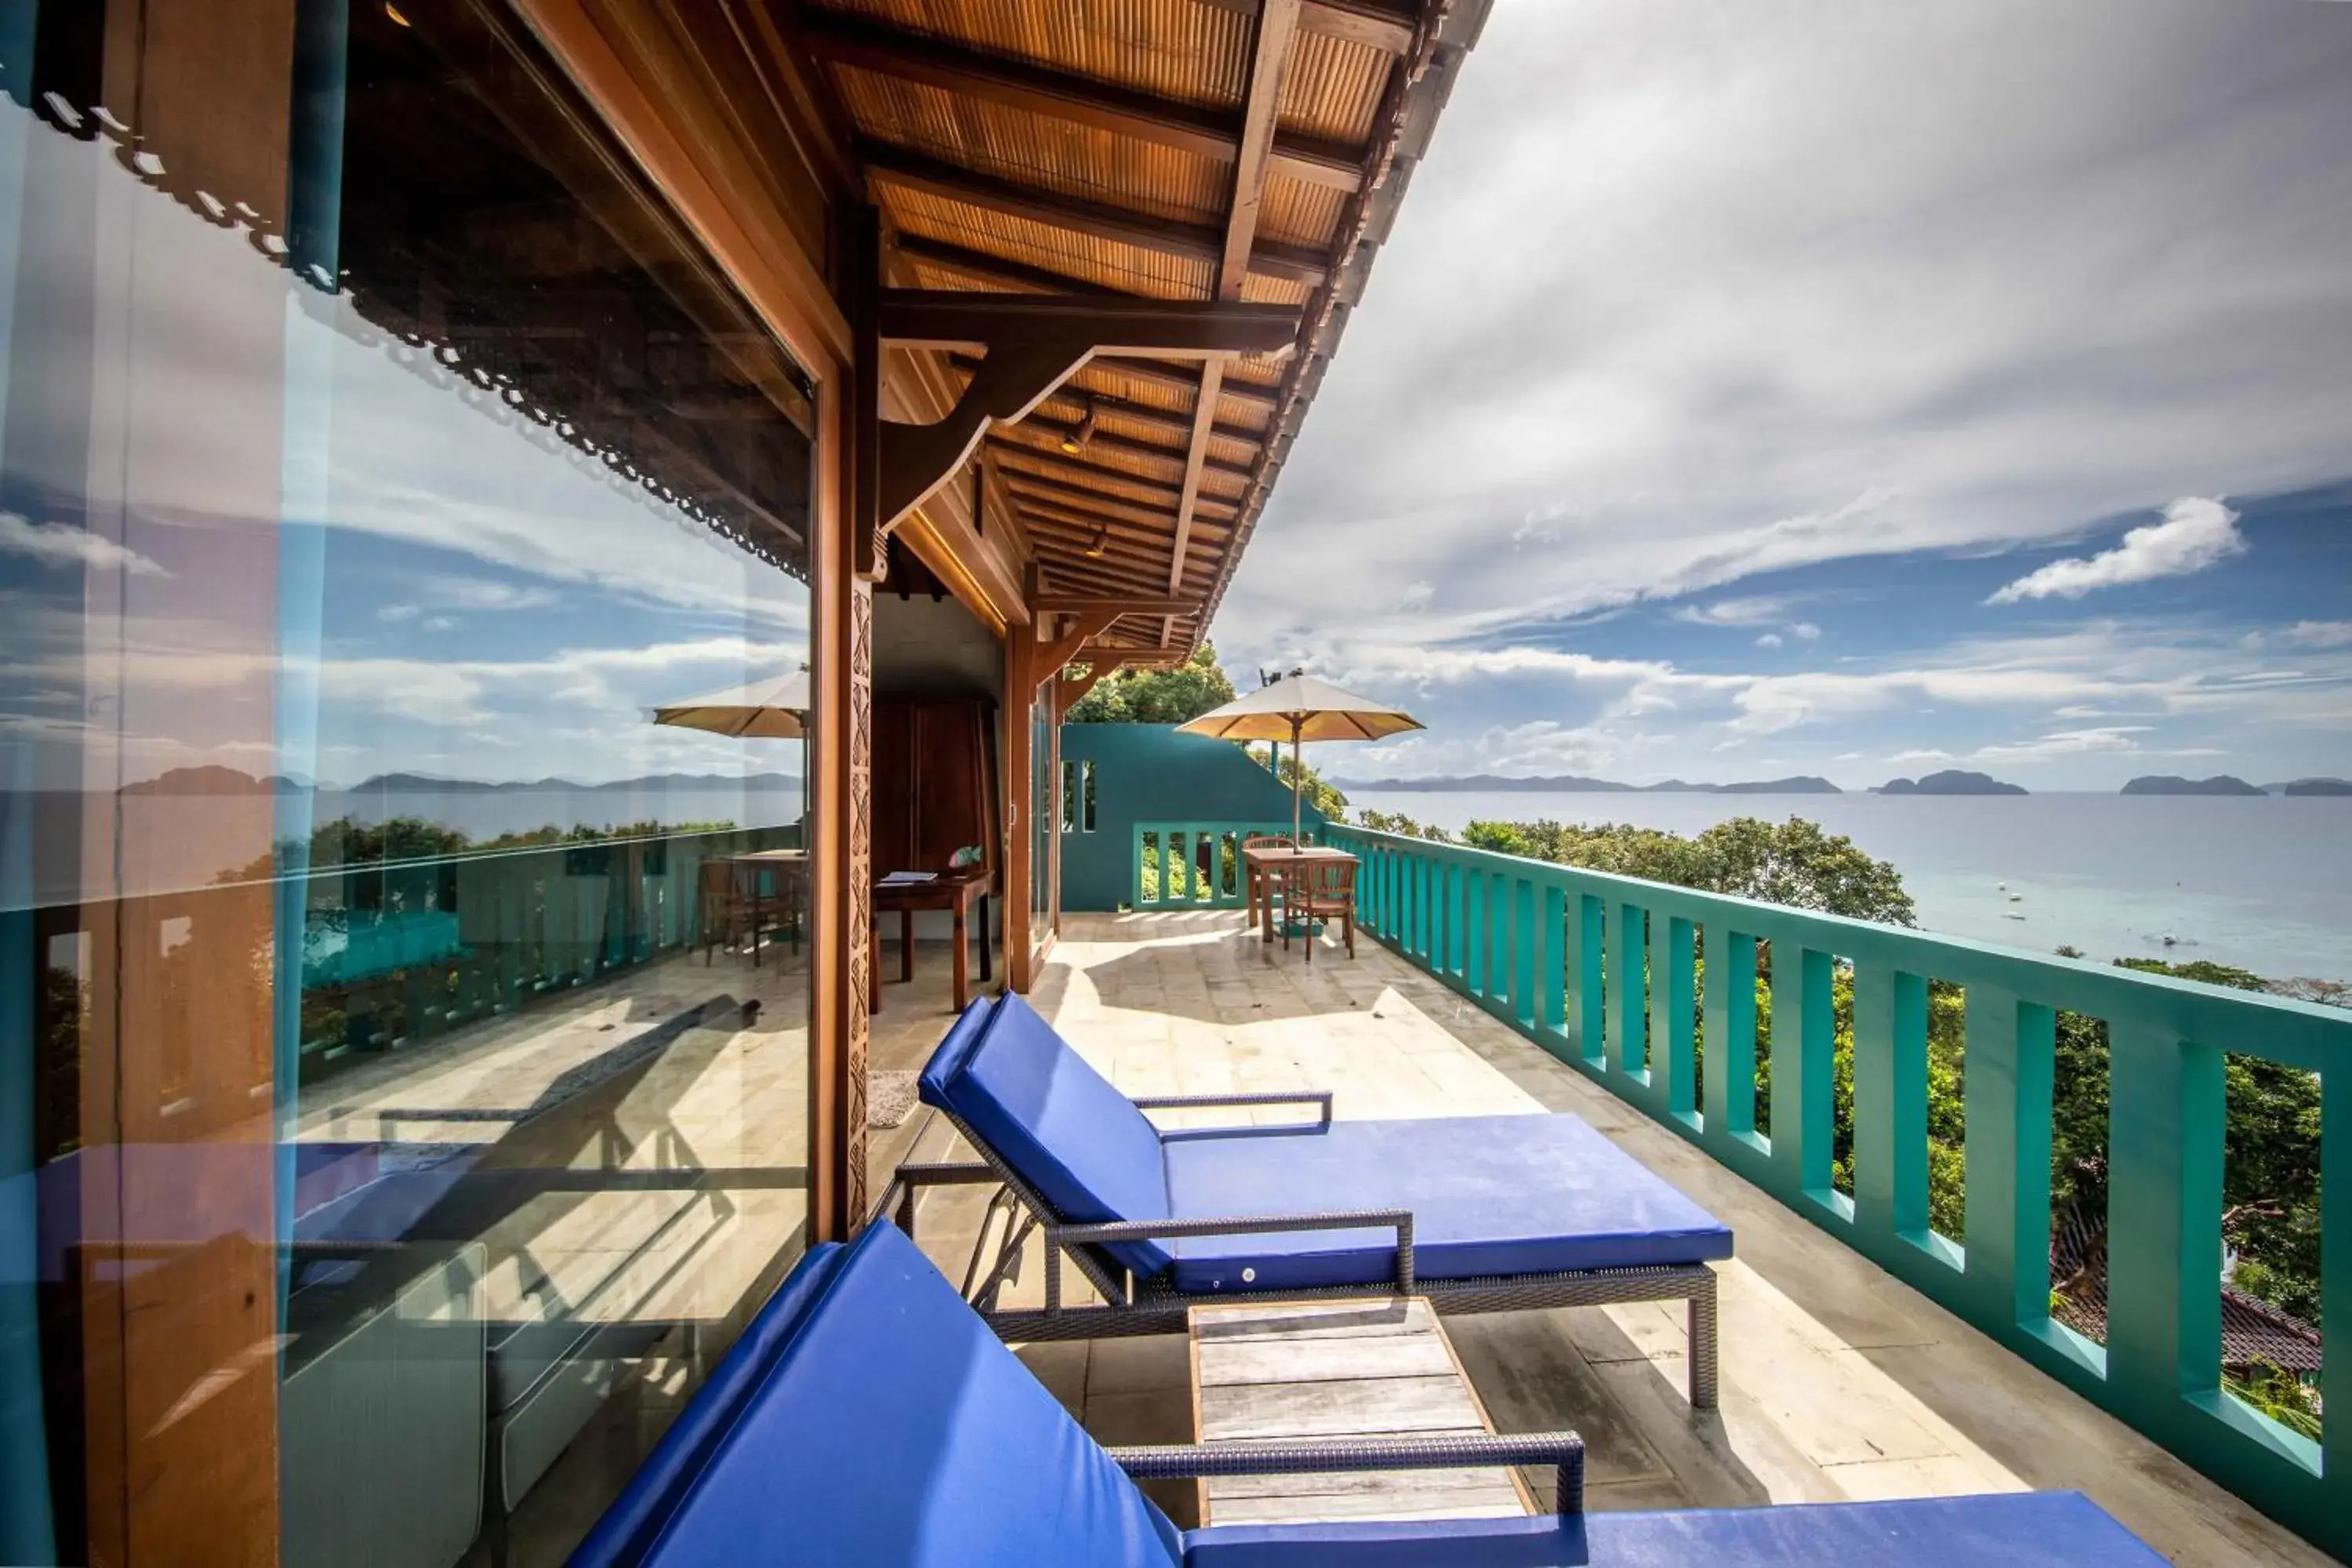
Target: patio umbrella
[[768, 709], [1300, 708]]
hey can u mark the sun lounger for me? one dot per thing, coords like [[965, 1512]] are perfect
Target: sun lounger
[[869, 1419], [1479, 1214]]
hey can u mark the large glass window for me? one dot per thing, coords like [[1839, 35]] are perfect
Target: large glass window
[[403, 1046]]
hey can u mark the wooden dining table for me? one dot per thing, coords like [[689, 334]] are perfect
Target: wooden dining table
[[1268, 865]]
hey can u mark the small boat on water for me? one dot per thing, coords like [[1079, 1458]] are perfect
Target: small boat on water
[[2014, 915]]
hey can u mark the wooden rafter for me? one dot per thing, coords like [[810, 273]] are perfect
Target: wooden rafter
[[1176, 378], [1080, 101], [1374, 23], [1159, 420], [1038, 428], [1276, 32], [1049, 487], [1137, 605], [981, 267], [1035, 344], [905, 167]]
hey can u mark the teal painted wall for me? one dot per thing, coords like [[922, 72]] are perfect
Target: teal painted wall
[[1148, 776]]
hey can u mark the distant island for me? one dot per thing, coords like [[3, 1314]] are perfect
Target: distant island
[[2172, 783], [2311, 786], [1571, 784], [1952, 781]]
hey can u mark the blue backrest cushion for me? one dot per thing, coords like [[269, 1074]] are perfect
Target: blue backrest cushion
[[1083, 1145], [961, 1035], [638, 1515], [896, 1428]]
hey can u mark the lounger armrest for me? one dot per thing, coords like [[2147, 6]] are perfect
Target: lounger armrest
[[1058, 1237], [898, 1197], [1187, 1461], [1316, 1097]]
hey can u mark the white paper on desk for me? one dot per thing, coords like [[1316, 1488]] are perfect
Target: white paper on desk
[[910, 876]]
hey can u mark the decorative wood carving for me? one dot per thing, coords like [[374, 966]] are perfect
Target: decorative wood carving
[[860, 873]]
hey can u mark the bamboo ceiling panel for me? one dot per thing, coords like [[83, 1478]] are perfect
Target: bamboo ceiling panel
[[1107, 147]]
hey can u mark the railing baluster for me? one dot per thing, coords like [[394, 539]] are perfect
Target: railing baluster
[[1804, 1040], [1627, 976], [1730, 1027], [1588, 1000], [1890, 1101], [1551, 965], [1524, 943], [2165, 1099], [1673, 979], [2011, 1049]]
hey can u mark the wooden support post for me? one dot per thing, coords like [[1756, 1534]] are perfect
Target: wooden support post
[[1020, 790]]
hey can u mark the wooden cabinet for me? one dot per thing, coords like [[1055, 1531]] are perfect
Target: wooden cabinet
[[934, 782]]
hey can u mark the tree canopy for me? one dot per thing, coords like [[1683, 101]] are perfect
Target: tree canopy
[[1157, 696]]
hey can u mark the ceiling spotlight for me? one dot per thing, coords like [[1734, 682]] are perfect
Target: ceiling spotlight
[[1096, 545], [1075, 441], [393, 12]]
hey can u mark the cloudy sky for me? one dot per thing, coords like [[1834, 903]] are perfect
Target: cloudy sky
[[1764, 387]]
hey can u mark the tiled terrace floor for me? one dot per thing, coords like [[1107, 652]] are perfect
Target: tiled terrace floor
[[1839, 1382]]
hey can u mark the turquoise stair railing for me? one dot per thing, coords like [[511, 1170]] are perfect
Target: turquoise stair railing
[[1604, 972]]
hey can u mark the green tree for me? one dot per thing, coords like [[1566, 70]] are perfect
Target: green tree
[[1321, 793], [1792, 863], [1157, 696]]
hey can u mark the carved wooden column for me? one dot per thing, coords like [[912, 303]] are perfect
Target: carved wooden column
[[862, 292]]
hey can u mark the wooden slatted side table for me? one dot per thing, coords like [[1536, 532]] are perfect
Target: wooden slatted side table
[[1268, 1372]]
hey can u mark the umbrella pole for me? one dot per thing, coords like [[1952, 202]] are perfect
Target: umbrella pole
[[1297, 774]]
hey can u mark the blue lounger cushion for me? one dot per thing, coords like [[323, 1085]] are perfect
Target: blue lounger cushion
[[1489, 1195], [2019, 1530], [1081, 1143], [882, 1423]]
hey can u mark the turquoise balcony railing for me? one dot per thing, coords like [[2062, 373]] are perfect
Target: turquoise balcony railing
[[1605, 972], [1194, 864]]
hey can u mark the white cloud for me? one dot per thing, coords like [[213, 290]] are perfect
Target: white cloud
[[2321, 633], [1769, 639], [1923, 754], [62, 545], [1748, 612], [2065, 743], [2195, 533], [1805, 631]]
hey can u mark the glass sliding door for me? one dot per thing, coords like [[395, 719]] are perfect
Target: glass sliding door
[[403, 1040]]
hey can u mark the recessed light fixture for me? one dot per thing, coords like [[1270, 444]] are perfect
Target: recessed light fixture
[[393, 12]]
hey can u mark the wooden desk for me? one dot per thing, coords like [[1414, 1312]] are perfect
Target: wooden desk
[[1266, 868], [1326, 1369], [957, 891]]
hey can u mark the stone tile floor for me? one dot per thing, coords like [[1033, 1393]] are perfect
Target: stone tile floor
[[1839, 1382]]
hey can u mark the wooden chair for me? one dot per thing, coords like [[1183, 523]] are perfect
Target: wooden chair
[[1251, 876], [740, 899], [1320, 889]]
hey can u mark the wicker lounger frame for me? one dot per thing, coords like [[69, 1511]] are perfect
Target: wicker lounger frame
[[1153, 1307]]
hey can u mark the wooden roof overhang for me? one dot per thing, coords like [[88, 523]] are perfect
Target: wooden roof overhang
[[1234, 162]]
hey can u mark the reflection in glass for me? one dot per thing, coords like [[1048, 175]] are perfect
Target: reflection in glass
[[403, 1040]]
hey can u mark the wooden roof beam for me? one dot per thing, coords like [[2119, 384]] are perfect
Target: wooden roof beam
[[903, 166], [1137, 605], [1276, 32], [1175, 378], [950, 318], [1053, 458], [1381, 25], [1024, 484], [1056, 430], [1079, 101], [1035, 344]]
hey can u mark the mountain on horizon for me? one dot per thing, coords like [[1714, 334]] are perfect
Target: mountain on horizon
[[1572, 784], [211, 779], [2173, 783]]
